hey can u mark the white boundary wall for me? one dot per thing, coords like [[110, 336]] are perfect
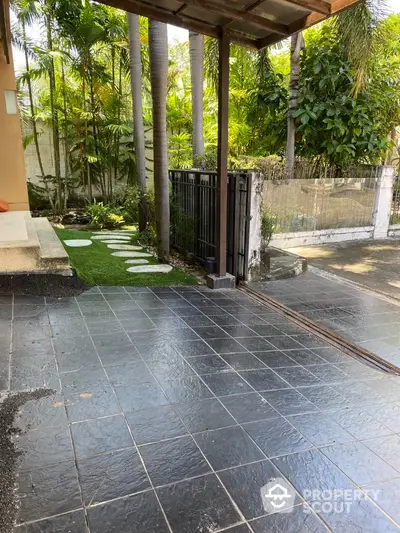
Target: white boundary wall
[[379, 228]]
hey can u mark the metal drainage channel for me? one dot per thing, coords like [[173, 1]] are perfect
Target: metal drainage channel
[[335, 340]]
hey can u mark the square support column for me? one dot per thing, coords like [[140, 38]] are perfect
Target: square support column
[[383, 202], [222, 279]]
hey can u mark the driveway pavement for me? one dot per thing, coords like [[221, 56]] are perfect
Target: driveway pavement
[[173, 408], [374, 264]]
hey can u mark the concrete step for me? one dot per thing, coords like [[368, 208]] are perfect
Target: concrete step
[[52, 255], [19, 243]]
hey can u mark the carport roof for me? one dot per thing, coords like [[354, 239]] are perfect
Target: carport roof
[[254, 23]]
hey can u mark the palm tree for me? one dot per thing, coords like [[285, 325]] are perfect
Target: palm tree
[[138, 126], [296, 45], [27, 11], [158, 45], [196, 49], [359, 31]]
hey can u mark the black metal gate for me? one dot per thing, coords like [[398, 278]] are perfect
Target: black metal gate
[[194, 216]]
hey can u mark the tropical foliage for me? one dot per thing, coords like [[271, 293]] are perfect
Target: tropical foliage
[[76, 81]]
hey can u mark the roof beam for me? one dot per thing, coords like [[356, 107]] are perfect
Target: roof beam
[[312, 5], [241, 16], [181, 20], [306, 22]]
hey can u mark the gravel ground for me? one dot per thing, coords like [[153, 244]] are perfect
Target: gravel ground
[[9, 454], [42, 285]]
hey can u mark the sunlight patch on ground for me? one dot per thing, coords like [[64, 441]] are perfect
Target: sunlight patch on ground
[[394, 284], [356, 268], [381, 248], [312, 253]]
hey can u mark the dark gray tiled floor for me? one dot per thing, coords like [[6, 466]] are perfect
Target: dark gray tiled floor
[[175, 406]]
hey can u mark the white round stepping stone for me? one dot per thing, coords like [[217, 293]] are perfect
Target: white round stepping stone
[[77, 243], [136, 262], [123, 247], [113, 241], [109, 236], [162, 269], [131, 254]]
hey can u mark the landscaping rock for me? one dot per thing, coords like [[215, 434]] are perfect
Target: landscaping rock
[[123, 247], [78, 243], [162, 269], [131, 254]]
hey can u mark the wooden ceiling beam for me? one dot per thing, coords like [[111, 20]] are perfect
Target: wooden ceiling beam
[[240, 16], [180, 20], [319, 6]]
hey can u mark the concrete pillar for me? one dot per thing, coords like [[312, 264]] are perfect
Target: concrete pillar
[[383, 202], [13, 187], [255, 237]]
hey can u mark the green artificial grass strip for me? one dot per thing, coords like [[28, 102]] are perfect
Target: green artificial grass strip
[[95, 265]]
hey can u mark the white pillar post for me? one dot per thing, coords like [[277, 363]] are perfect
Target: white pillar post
[[255, 237], [383, 202]]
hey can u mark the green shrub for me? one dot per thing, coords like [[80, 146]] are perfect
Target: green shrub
[[130, 205], [268, 225], [104, 216]]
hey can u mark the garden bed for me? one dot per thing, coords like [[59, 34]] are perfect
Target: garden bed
[[95, 265]]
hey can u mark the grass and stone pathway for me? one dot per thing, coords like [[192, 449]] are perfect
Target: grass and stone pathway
[[113, 258]]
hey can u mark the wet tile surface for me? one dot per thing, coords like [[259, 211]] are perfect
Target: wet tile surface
[[175, 406]]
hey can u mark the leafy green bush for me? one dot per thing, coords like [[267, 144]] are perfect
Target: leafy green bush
[[130, 205], [104, 216], [268, 225]]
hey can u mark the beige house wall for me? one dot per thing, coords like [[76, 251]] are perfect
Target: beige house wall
[[12, 167]]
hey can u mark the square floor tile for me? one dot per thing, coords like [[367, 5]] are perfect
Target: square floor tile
[[100, 435], [211, 332], [298, 376], [125, 375], [192, 348], [320, 429], [328, 373], [228, 447], [331, 355], [388, 415], [266, 330], [42, 414], [284, 342], [277, 437], [359, 424], [275, 359], [249, 407], [244, 483], [312, 469], [92, 404], [85, 381], [326, 398], [226, 383], [243, 361], [305, 357], [73, 522], [203, 415], [111, 475], [387, 496], [186, 389], [255, 344], [265, 379], [43, 448], [155, 424], [207, 364], [297, 521], [140, 513], [226, 346], [239, 331], [197, 505], [48, 491], [173, 460], [140, 396], [119, 356], [289, 402], [359, 463]]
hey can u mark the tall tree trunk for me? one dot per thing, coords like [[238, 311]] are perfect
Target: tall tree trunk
[[54, 114], [66, 143], [296, 46], [31, 104], [138, 127], [196, 48], [158, 44]]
